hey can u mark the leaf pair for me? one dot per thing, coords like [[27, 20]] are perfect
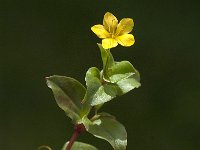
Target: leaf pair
[[103, 126], [116, 78], [68, 93]]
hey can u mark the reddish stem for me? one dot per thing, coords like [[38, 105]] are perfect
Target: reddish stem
[[79, 128]]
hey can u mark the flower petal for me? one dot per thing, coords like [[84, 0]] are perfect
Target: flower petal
[[109, 43], [126, 40], [110, 22], [125, 26], [100, 31]]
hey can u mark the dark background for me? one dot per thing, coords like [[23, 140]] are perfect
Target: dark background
[[39, 38]]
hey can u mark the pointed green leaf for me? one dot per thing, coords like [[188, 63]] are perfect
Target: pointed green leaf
[[80, 146], [122, 70], [68, 93], [106, 56], [93, 83], [128, 84], [106, 127], [93, 78], [107, 59], [98, 92], [104, 94], [124, 75]]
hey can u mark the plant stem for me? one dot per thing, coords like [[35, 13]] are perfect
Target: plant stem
[[79, 128]]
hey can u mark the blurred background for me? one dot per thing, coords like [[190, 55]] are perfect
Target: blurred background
[[39, 38]]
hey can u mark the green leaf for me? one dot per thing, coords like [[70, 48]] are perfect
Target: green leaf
[[107, 60], [122, 70], [125, 76], [93, 83], [98, 92], [68, 93], [106, 56], [104, 94], [128, 84], [105, 126], [80, 146]]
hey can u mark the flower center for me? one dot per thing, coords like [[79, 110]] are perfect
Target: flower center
[[112, 35]]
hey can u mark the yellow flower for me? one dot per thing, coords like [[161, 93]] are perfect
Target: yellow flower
[[113, 33]]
